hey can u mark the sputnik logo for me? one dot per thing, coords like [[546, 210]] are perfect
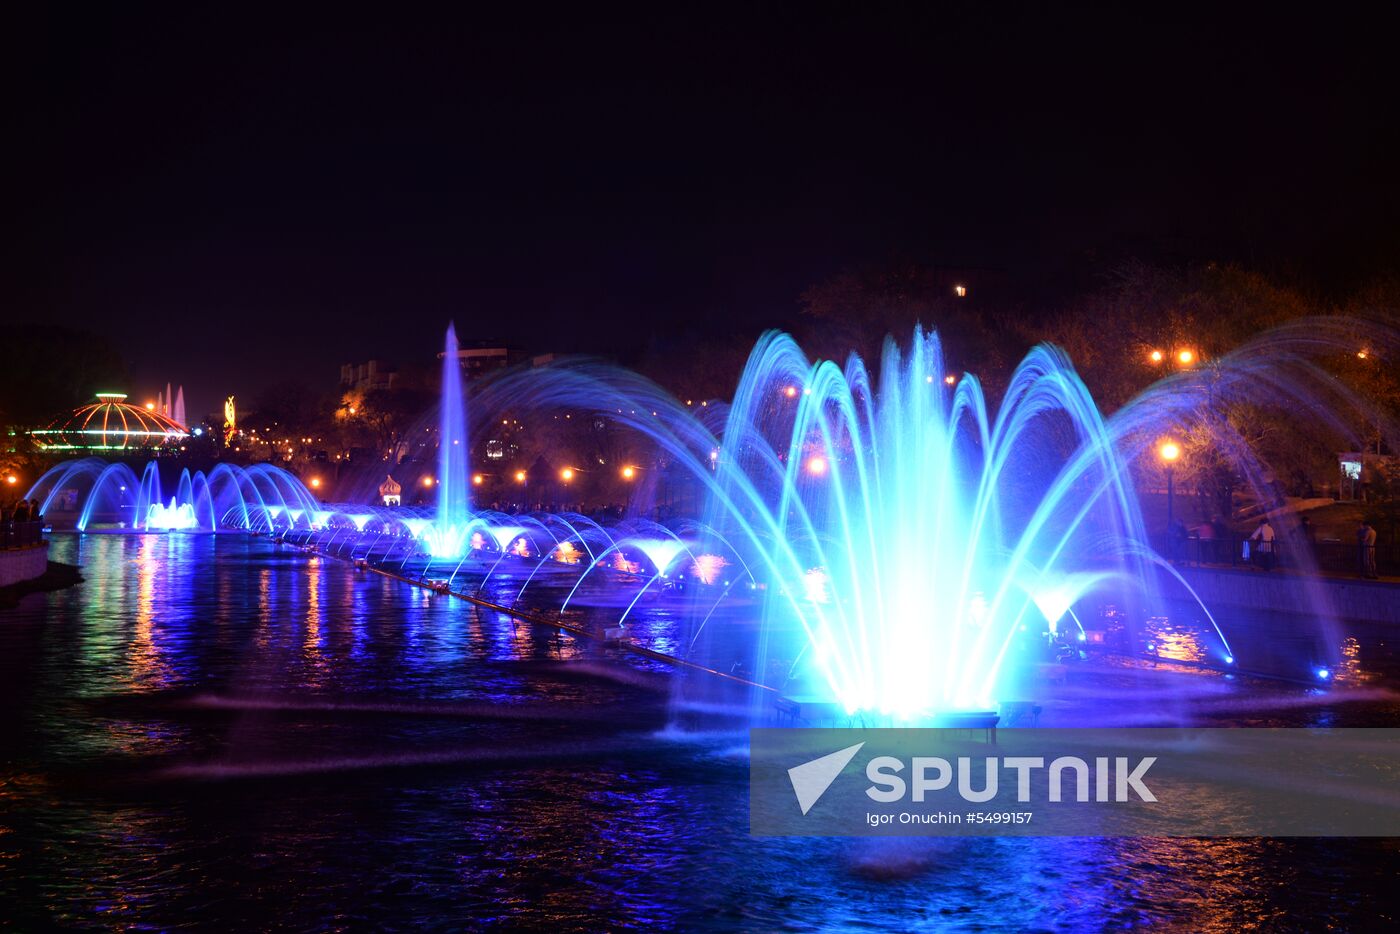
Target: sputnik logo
[[810, 780]]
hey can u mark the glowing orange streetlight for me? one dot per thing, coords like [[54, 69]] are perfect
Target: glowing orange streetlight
[[427, 481], [1170, 452], [629, 472], [12, 479], [478, 479], [315, 483], [520, 476], [1362, 354], [567, 474], [960, 290], [950, 379], [790, 392], [1186, 357], [150, 406], [816, 465], [1155, 356]]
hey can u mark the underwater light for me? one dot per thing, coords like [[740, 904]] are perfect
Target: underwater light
[[1323, 674], [1229, 659]]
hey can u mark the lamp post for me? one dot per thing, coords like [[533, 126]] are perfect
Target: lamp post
[[1170, 453]]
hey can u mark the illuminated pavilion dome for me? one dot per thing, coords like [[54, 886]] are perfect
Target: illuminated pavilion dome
[[109, 424]]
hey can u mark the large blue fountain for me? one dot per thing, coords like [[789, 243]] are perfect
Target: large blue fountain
[[887, 545]]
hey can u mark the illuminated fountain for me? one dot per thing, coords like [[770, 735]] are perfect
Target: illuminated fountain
[[916, 553], [917, 544], [449, 535], [93, 495]]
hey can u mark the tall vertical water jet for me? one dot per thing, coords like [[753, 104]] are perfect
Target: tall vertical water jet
[[447, 537]]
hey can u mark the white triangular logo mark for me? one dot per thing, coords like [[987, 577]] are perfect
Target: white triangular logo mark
[[810, 780]]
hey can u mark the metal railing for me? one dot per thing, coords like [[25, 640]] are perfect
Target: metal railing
[[21, 534], [1332, 557]]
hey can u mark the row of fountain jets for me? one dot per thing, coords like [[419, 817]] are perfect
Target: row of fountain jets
[[906, 567]]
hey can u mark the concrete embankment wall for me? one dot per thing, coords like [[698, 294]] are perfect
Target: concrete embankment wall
[[23, 564], [1369, 601]]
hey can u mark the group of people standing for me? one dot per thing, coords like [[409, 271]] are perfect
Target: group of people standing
[[21, 524], [1263, 545]]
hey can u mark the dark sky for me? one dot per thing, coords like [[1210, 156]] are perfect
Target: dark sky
[[239, 197]]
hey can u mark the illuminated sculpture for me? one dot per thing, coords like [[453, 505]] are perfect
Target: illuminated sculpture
[[230, 420]]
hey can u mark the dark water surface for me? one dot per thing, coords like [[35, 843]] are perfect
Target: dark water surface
[[212, 731]]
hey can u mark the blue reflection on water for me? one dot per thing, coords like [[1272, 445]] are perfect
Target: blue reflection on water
[[210, 727]]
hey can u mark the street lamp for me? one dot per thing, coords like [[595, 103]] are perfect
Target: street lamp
[[478, 479], [427, 481], [520, 476], [1155, 356], [1186, 357], [567, 474], [816, 465], [629, 472], [1170, 452]]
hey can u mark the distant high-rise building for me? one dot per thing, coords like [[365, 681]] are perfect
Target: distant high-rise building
[[372, 374]]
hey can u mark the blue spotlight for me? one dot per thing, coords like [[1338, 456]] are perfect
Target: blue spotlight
[[1229, 659], [1323, 674]]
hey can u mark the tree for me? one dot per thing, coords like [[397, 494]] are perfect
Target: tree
[[855, 311]]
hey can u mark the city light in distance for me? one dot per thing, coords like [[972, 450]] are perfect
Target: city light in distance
[[950, 379], [1361, 354]]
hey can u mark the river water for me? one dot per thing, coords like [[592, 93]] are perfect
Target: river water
[[211, 729]]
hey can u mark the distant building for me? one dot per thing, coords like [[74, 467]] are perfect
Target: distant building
[[370, 375], [478, 358], [390, 491], [1361, 471]]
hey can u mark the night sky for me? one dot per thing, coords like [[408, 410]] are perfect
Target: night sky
[[240, 198]]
